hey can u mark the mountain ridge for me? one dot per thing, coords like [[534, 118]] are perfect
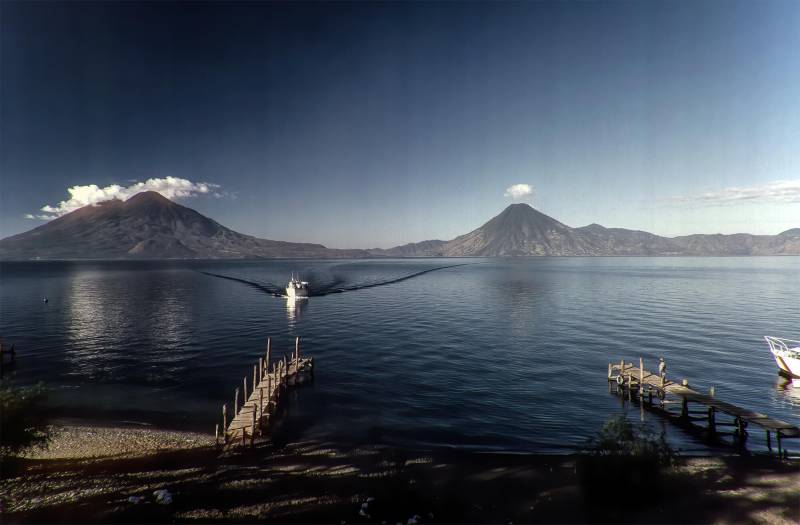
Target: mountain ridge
[[149, 225], [520, 230]]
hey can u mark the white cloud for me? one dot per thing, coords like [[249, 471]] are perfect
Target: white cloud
[[518, 191], [80, 196], [779, 191]]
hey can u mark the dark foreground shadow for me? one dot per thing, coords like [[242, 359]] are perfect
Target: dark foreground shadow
[[319, 483]]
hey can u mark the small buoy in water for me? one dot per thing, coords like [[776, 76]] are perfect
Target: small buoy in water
[[45, 299]]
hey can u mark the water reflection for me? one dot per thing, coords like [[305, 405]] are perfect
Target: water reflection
[[294, 309], [114, 320], [788, 390]]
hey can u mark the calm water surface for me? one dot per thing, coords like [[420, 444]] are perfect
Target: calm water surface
[[498, 354]]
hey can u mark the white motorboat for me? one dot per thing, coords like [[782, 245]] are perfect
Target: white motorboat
[[297, 289], [787, 354]]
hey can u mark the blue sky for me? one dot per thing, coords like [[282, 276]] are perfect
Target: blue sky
[[376, 124]]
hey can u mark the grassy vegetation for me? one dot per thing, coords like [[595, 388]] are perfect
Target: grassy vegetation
[[23, 422]]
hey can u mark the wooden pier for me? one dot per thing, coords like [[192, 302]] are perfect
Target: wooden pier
[[255, 408], [639, 384]]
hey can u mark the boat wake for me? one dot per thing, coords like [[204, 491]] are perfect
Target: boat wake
[[264, 286], [331, 287]]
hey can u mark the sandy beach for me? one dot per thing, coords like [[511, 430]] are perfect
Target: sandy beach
[[115, 480], [84, 440]]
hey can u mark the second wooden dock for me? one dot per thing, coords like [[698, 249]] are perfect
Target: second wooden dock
[[643, 385]]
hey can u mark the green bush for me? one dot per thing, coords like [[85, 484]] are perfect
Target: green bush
[[620, 437], [623, 458], [23, 422]]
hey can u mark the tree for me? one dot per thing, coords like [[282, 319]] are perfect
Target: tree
[[23, 423]]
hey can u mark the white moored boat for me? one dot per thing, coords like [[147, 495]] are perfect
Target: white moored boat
[[787, 354], [296, 289]]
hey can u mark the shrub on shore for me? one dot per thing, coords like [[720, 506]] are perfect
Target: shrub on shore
[[620, 437], [623, 458], [23, 423]]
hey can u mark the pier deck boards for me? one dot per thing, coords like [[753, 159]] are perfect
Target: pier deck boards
[[271, 379], [632, 376]]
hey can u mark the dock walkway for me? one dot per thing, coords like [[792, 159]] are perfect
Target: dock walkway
[[643, 384], [259, 404]]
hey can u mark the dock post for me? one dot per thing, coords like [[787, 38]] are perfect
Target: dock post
[[630, 386], [253, 429], [641, 377], [244, 391], [609, 371], [269, 351], [743, 433], [236, 402], [285, 367], [260, 369], [224, 417], [269, 389], [297, 353], [255, 378], [778, 436], [622, 367], [216, 435], [712, 424], [260, 407], [769, 441]]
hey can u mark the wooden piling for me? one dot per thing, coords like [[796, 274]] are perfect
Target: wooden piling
[[216, 435], [260, 407], [269, 351], [236, 402], [244, 390], [609, 370], [296, 353], [253, 429], [255, 377], [641, 377], [260, 369], [712, 427], [224, 417]]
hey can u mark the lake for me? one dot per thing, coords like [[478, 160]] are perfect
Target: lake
[[493, 354]]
